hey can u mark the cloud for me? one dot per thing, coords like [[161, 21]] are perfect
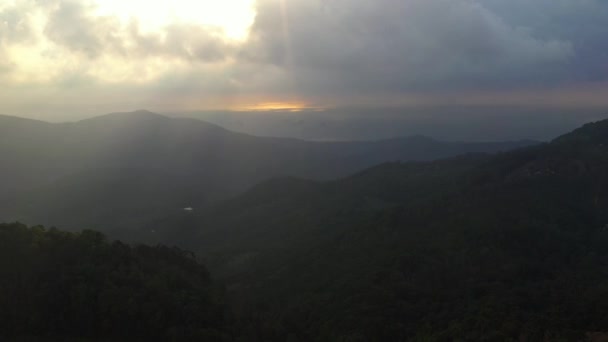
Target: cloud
[[15, 25], [66, 44], [310, 50], [400, 44], [75, 26], [581, 22], [69, 26], [15, 29], [181, 40]]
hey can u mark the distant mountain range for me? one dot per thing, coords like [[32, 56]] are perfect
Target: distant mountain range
[[120, 170], [446, 122]]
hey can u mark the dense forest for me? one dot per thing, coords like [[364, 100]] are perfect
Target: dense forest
[[505, 247], [58, 285]]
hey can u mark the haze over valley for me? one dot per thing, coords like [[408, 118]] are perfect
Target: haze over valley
[[120, 169]]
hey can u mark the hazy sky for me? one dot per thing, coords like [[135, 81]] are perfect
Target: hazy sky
[[69, 57]]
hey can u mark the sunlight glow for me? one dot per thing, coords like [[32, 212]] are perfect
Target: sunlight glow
[[234, 17], [278, 107]]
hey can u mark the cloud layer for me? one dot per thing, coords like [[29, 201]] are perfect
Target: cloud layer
[[318, 51], [400, 45]]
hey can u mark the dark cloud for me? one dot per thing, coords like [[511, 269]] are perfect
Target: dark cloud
[[581, 22], [401, 45]]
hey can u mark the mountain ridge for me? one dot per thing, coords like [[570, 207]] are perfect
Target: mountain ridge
[[496, 247], [105, 171], [149, 115]]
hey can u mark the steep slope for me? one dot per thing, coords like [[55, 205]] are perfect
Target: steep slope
[[497, 248], [122, 169]]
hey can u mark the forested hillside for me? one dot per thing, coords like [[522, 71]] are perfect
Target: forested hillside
[[506, 247], [493, 248], [58, 286]]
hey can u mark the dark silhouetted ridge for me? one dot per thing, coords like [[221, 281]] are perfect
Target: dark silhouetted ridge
[[591, 133]]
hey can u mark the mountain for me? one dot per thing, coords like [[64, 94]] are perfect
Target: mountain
[[504, 247], [508, 247], [121, 170]]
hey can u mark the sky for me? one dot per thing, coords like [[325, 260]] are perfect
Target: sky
[[71, 58]]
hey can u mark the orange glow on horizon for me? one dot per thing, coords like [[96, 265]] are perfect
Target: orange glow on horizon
[[278, 107]]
